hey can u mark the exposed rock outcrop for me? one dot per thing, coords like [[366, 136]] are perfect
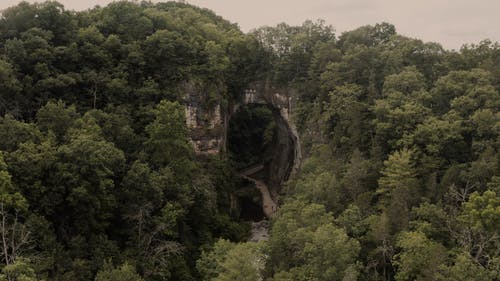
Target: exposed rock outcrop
[[205, 119], [260, 231]]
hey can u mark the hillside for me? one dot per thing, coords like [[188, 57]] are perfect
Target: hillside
[[142, 141]]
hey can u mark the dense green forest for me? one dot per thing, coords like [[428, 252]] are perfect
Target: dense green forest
[[99, 181]]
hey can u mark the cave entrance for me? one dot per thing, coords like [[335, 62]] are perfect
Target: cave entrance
[[261, 147], [251, 135], [251, 209]]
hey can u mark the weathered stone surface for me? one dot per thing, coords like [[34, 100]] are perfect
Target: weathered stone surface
[[260, 231], [204, 121]]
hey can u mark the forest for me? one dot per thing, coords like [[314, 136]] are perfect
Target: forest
[[400, 178]]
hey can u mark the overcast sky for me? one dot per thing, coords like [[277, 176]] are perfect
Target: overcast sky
[[449, 22]]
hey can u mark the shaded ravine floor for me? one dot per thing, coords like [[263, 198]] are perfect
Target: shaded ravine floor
[[260, 229], [268, 205]]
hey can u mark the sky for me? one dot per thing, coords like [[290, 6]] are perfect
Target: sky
[[449, 22]]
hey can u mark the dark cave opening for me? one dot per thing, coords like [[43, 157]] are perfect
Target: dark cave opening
[[258, 135], [251, 210], [252, 132], [261, 147]]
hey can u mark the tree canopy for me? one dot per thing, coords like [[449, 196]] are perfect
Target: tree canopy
[[99, 179]]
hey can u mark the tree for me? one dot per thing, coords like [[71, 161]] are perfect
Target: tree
[[368, 35], [209, 265], [125, 272], [168, 143], [331, 254], [481, 221], [344, 114], [398, 172], [291, 47], [320, 188], [355, 180], [381, 256], [229, 261], [170, 56], [353, 222], [401, 108], [465, 269], [125, 19], [398, 188], [56, 118], [14, 132], [244, 262], [419, 258], [90, 165], [14, 235], [20, 270], [433, 221], [305, 244], [457, 84], [10, 88], [408, 82]]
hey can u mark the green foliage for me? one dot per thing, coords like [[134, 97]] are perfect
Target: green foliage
[[20, 270], [10, 197], [167, 141], [210, 263], [323, 188], [398, 188], [401, 143], [345, 112], [482, 212], [13, 133], [244, 262], [480, 216], [464, 269], [56, 118], [419, 258], [398, 172], [125, 272], [9, 87], [229, 261], [105, 55], [431, 220], [291, 47], [305, 244]]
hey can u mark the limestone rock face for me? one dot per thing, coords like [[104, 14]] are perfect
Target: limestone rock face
[[204, 119]]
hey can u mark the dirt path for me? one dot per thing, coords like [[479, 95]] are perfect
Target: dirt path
[[260, 230], [268, 205]]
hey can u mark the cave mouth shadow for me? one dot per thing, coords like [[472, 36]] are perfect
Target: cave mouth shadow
[[251, 133], [259, 135], [250, 210], [261, 147]]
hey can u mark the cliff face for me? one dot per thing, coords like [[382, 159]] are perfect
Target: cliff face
[[209, 126], [205, 119]]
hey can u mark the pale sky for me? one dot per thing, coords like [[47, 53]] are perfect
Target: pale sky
[[449, 22]]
